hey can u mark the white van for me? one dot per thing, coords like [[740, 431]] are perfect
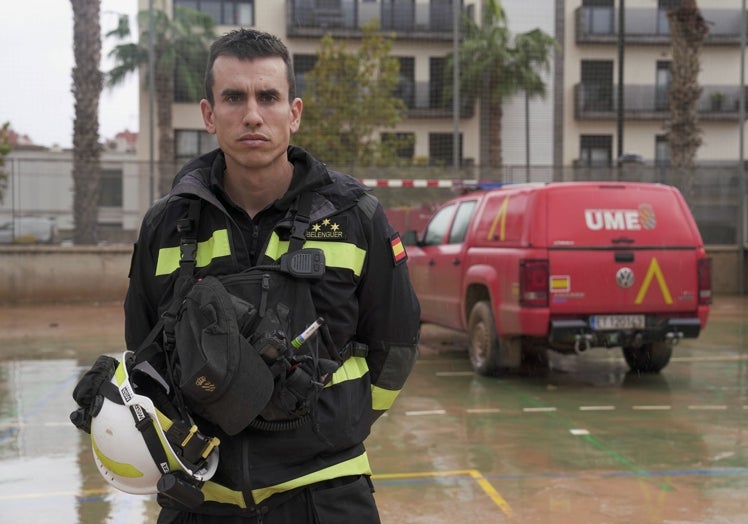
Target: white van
[[28, 230]]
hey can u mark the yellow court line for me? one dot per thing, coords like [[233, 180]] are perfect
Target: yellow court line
[[476, 475]]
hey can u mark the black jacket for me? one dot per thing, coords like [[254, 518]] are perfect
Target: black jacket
[[365, 295]]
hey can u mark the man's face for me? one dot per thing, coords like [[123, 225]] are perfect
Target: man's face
[[251, 115]]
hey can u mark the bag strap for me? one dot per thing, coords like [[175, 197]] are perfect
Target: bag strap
[[302, 210], [187, 228]]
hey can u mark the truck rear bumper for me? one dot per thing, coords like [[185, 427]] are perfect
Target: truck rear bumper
[[566, 333]]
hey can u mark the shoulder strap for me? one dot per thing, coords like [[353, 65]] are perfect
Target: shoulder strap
[[302, 208], [187, 228]]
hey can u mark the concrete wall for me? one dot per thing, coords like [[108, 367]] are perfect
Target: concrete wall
[[63, 273], [99, 273]]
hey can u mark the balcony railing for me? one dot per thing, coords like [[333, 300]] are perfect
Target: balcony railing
[[599, 25], [649, 102], [345, 18]]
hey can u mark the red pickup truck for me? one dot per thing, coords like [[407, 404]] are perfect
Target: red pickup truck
[[565, 266]]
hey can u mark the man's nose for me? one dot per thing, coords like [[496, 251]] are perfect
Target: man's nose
[[252, 116]]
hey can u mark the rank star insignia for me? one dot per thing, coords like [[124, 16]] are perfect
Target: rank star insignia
[[328, 229]]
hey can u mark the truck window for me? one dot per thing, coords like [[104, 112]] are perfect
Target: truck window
[[462, 221], [437, 228]]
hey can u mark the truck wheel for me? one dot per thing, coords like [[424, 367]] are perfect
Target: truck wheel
[[489, 353], [649, 358]]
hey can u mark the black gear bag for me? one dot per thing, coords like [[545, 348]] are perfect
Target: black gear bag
[[242, 348]]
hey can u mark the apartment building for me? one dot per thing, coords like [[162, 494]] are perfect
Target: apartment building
[[423, 38], [578, 123], [592, 90]]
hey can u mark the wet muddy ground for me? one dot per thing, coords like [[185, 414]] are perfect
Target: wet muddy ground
[[583, 441]]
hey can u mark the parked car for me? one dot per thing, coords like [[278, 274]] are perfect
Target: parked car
[[564, 266], [28, 230]]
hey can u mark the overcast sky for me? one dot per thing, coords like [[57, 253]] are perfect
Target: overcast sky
[[36, 60]]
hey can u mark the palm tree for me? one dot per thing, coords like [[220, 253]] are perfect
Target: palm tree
[[87, 86], [180, 54], [495, 66], [688, 29], [4, 150]]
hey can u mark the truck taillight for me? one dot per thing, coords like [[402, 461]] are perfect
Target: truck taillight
[[705, 281], [533, 283]]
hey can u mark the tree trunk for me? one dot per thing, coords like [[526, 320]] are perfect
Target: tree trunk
[[166, 150], [496, 113], [688, 30], [87, 86]]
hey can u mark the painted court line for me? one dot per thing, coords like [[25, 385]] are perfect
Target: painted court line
[[484, 410], [707, 408], [474, 474], [597, 408], [579, 432], [425, 412], [538, 410], [651, 408]]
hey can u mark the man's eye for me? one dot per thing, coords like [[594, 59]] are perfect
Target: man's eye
[[232, 99]]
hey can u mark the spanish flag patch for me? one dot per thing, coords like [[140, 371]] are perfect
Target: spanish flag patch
[[398, 250]]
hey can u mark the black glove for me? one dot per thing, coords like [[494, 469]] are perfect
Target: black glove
[[86, 392]]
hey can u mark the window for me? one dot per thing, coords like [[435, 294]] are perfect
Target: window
[[226, 12], [437, 228], [595, 150], [302, 64], [110, 194], [662, 87], [406, 86], [662, 151], [191, 143], [398, 15], [597, 85], [402, 145], [462, 221], [437, 83], [597, 16], [663, 25], [440, 149]]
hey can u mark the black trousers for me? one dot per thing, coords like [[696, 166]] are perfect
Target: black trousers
[[338, 501]]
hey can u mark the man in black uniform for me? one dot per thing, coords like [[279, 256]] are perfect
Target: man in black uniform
[[319, 472]]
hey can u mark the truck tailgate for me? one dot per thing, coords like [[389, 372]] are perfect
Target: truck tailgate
[[616, 281]]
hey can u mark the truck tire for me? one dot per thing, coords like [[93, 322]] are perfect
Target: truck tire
[[649, 358], [490, 354]]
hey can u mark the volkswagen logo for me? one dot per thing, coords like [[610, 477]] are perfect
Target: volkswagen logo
[[625, 277]]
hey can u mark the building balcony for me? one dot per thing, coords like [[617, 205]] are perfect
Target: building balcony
[[427, 100], [421, 20], [648, 102], [649, 26]]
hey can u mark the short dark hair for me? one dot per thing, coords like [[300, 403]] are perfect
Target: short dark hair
[[248, 44]]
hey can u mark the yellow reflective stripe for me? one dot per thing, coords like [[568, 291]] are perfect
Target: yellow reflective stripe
[[352, 369], [216, 246], [355, 466], [382, 399], [337, 254], [121, 469], [216, 493]]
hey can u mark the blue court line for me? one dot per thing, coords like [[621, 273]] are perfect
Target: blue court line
[[36, 407]]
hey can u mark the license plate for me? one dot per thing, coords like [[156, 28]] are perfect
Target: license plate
[[617, 321]]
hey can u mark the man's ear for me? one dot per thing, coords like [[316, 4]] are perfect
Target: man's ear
[[296, 108], [208, 116]]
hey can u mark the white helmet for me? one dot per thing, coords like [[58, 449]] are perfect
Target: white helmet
[[136, 441]]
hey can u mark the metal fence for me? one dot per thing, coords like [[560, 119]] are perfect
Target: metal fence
[[44, 188]]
